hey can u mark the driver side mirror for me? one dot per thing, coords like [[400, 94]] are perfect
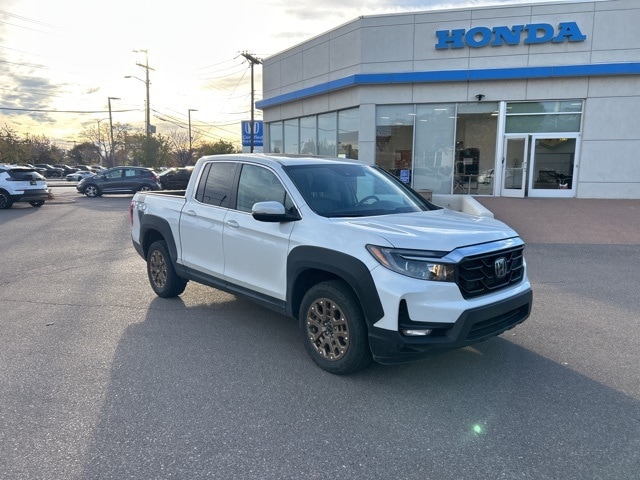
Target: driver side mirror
[[273, 212]]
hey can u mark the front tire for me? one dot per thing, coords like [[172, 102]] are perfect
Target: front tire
[[333, 328], [162, 276], [91, 191], [37, 203]]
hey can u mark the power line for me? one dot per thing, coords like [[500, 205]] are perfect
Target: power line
[[64, 111]]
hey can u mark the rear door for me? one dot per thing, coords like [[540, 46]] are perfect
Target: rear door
[[201, 221]]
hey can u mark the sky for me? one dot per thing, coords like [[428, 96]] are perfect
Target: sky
[[61, 60]]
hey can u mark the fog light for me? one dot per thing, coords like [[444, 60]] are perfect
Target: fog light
[[416, 333]]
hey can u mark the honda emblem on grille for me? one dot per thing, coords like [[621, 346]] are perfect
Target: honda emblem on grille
[[500, 267]]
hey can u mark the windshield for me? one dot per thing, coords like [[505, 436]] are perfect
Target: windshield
[[343, 190]]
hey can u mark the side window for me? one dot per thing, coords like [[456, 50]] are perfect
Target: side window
[[115, 173], [215, 183], [132, 173], [258, 184]]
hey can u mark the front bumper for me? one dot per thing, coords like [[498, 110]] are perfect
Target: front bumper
[[472, 326]]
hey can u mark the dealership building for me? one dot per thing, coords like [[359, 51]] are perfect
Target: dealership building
[[532, 100]]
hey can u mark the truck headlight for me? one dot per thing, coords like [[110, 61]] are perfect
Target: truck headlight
[[414, 263]]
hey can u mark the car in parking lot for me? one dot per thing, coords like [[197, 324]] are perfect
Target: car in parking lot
[[119, 180], [50, 171], [175, 178], [66, 169], [79, 175], [21, 184]]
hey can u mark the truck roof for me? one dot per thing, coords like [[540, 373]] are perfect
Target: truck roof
[[280, 158]]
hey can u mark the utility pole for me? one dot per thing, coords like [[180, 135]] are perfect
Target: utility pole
[[111, 130], [189, 113], [254, 61], [147, 83]]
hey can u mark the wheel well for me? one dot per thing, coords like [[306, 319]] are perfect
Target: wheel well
[[305, 281], [307, 266], [150, 237]]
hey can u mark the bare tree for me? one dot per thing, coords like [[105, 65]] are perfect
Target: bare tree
[[100, 135], [182, 152]]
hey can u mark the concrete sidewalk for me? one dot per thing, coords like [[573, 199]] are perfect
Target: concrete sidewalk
[[569, 220]]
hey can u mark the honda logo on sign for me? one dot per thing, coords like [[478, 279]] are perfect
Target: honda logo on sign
[[500, 267], [257, 133]]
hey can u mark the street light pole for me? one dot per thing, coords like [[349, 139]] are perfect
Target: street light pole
[[111, 130], [189, 113]]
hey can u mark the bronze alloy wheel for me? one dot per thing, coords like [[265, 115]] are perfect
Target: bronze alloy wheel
[[328, 329], [158, 269], [162, 275], [333, 328]]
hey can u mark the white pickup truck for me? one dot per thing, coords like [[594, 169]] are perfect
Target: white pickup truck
[[370, 269]]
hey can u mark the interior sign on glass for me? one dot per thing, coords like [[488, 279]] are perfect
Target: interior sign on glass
[[532, 33]]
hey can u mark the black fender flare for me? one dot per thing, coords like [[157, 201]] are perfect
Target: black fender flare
[[151, 223], [331, 264]]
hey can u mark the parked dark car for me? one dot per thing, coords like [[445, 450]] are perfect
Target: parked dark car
[[40, 170], [86, 168], [175, 178], [119, 180], [50, 171], [66, 169]]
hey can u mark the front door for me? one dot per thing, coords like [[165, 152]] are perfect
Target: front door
[[514, 166]]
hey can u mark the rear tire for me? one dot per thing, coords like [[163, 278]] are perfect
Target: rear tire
[[162, 276], [37, 203], [333, 328], [5, 200]]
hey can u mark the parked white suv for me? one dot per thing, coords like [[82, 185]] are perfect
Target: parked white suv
[[21, 184]]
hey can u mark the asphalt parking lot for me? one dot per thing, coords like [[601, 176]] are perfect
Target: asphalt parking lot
[[101, 379]]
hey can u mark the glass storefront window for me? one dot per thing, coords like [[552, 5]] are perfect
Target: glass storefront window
[[394, 140], [291, 136], [276, 137], [435, 142], [565, 106], [538, 117], [348, 133], [308, 135], [327, 133]]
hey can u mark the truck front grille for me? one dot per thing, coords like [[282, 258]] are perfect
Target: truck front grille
[[482, 274]]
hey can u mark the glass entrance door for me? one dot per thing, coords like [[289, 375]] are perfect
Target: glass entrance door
[[514, 166]]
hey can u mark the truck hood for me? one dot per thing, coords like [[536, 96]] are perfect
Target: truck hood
[[442, 230]]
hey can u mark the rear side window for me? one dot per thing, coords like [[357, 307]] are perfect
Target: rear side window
[[215, 183]]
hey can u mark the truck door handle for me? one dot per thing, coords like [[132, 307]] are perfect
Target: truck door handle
[[233, 224]]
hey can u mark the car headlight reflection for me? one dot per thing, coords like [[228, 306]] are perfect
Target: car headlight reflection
[[414, 263]]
